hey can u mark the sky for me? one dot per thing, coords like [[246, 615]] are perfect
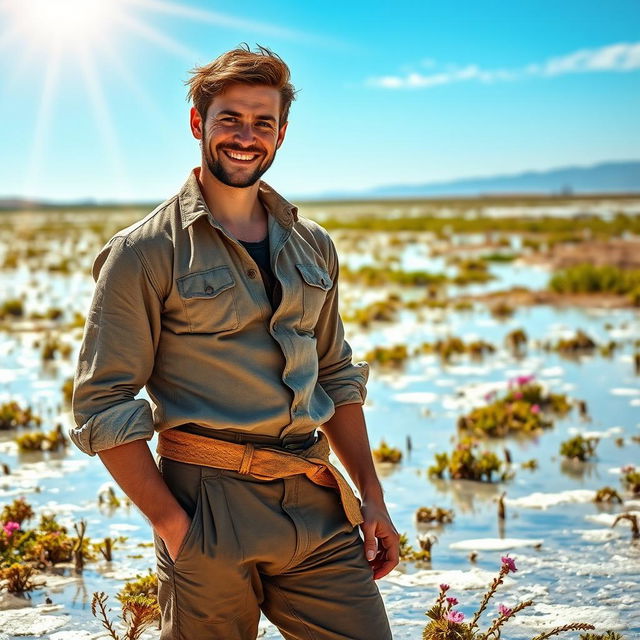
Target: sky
[[93, 103]]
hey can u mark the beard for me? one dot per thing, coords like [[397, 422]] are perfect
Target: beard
[[239, 181]]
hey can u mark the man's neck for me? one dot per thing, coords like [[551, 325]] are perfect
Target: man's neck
[[232, 207]]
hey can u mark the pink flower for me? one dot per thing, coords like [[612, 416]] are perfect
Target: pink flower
[[444, 587], [505, 611], [452, 601], [524, 379], [517, 395], [489, 395], [508, 563], [535, 408], [10, 527], [628, 469], [455, 616]]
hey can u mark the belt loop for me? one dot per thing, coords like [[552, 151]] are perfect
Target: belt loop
[[247, 458]]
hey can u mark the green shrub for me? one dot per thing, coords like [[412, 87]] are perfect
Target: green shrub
[[579, 448], [466, 463]]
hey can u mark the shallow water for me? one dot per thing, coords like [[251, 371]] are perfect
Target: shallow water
[[583, 570]]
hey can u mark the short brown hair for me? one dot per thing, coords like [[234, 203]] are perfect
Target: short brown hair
[[241, 66]]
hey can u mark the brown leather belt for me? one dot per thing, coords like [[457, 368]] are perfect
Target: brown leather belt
[[262, 462]]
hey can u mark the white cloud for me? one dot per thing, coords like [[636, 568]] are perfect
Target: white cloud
[[620, 57]]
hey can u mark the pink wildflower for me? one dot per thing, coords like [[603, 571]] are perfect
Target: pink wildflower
[[505, 611], [455, 616], [452, 601], [444, 587], [509, 563], [524, 379], [535, 408], [628, 469], [10, 527], [517, 395]]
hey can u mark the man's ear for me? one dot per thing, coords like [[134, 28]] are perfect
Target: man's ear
[[195, 121], [281, 134]]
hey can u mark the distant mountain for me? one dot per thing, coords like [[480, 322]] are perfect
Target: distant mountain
[[607, 177]]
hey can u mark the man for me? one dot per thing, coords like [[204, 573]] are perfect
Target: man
[[223, 302]]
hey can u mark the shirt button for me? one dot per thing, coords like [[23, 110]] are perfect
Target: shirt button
[[252, 273], [209, 290]]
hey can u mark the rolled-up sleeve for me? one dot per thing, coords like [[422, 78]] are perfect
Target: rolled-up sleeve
[[117, 353], [343, 380]]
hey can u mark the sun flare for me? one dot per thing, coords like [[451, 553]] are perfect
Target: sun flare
[[63, 23]]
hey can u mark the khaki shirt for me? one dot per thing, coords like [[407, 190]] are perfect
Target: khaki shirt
[[180, 308]]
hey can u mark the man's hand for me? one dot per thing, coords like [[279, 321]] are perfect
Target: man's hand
[[134, 469], [381, 540], [173, 532]]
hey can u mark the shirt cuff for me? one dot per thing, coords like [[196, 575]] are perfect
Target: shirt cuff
[[114, 426], [347, 386]]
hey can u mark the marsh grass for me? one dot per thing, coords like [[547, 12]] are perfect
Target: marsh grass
[[607, 495], [521, 410], [579, 448], [53, 440], [385, 453], [590, 278], [465, 462]]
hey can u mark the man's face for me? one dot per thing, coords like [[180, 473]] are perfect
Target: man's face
[[241, 134]]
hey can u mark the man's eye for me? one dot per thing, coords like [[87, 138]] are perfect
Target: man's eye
[[229, 119], [264, 123]]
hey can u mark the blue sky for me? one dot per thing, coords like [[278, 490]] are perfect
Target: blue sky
[[390, 93]]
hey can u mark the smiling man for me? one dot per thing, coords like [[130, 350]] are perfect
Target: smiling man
[[223, 304]]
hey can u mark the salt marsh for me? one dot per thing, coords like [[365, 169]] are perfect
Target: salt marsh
[[571, 561]]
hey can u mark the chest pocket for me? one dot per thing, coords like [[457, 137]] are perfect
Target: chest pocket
[[209, 300], [316, 283]]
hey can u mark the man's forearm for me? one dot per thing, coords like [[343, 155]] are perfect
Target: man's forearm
[[134, 469], [347, 434]]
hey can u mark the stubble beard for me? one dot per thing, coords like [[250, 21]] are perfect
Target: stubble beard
[[219, 172]]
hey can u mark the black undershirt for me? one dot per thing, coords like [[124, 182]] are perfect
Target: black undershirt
[[259, 251]]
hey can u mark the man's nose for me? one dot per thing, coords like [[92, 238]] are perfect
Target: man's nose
[[244, 133]]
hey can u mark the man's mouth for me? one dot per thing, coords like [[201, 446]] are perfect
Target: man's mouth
[[237, 156]]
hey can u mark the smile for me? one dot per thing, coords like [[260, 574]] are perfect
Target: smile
[[241, 157]]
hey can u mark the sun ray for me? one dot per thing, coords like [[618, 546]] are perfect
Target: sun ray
[[156, 37], [19, 68], [133, 84], [219, 19], [103, 122], [43, 118]]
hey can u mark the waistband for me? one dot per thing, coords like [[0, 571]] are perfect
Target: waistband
[[263, 462], [290, 441]]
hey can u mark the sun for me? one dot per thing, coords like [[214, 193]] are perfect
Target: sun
[[63, 23]]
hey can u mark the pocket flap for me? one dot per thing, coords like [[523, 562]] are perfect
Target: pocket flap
[[206, 284], [315, 276]]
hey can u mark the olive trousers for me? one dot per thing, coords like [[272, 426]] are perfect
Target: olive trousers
[[284, 547]]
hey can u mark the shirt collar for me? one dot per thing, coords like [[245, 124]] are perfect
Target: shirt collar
[[193, 205]]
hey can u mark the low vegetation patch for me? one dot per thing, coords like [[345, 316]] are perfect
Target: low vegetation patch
[[434, 514], [385, 453], [13, 415], [465, 462], [579, 448], [590, 278], [447, 623], [631, 479], [452, 345], [525, 409], [53, 440], [388, 356], [607, 494], [422, 555]]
